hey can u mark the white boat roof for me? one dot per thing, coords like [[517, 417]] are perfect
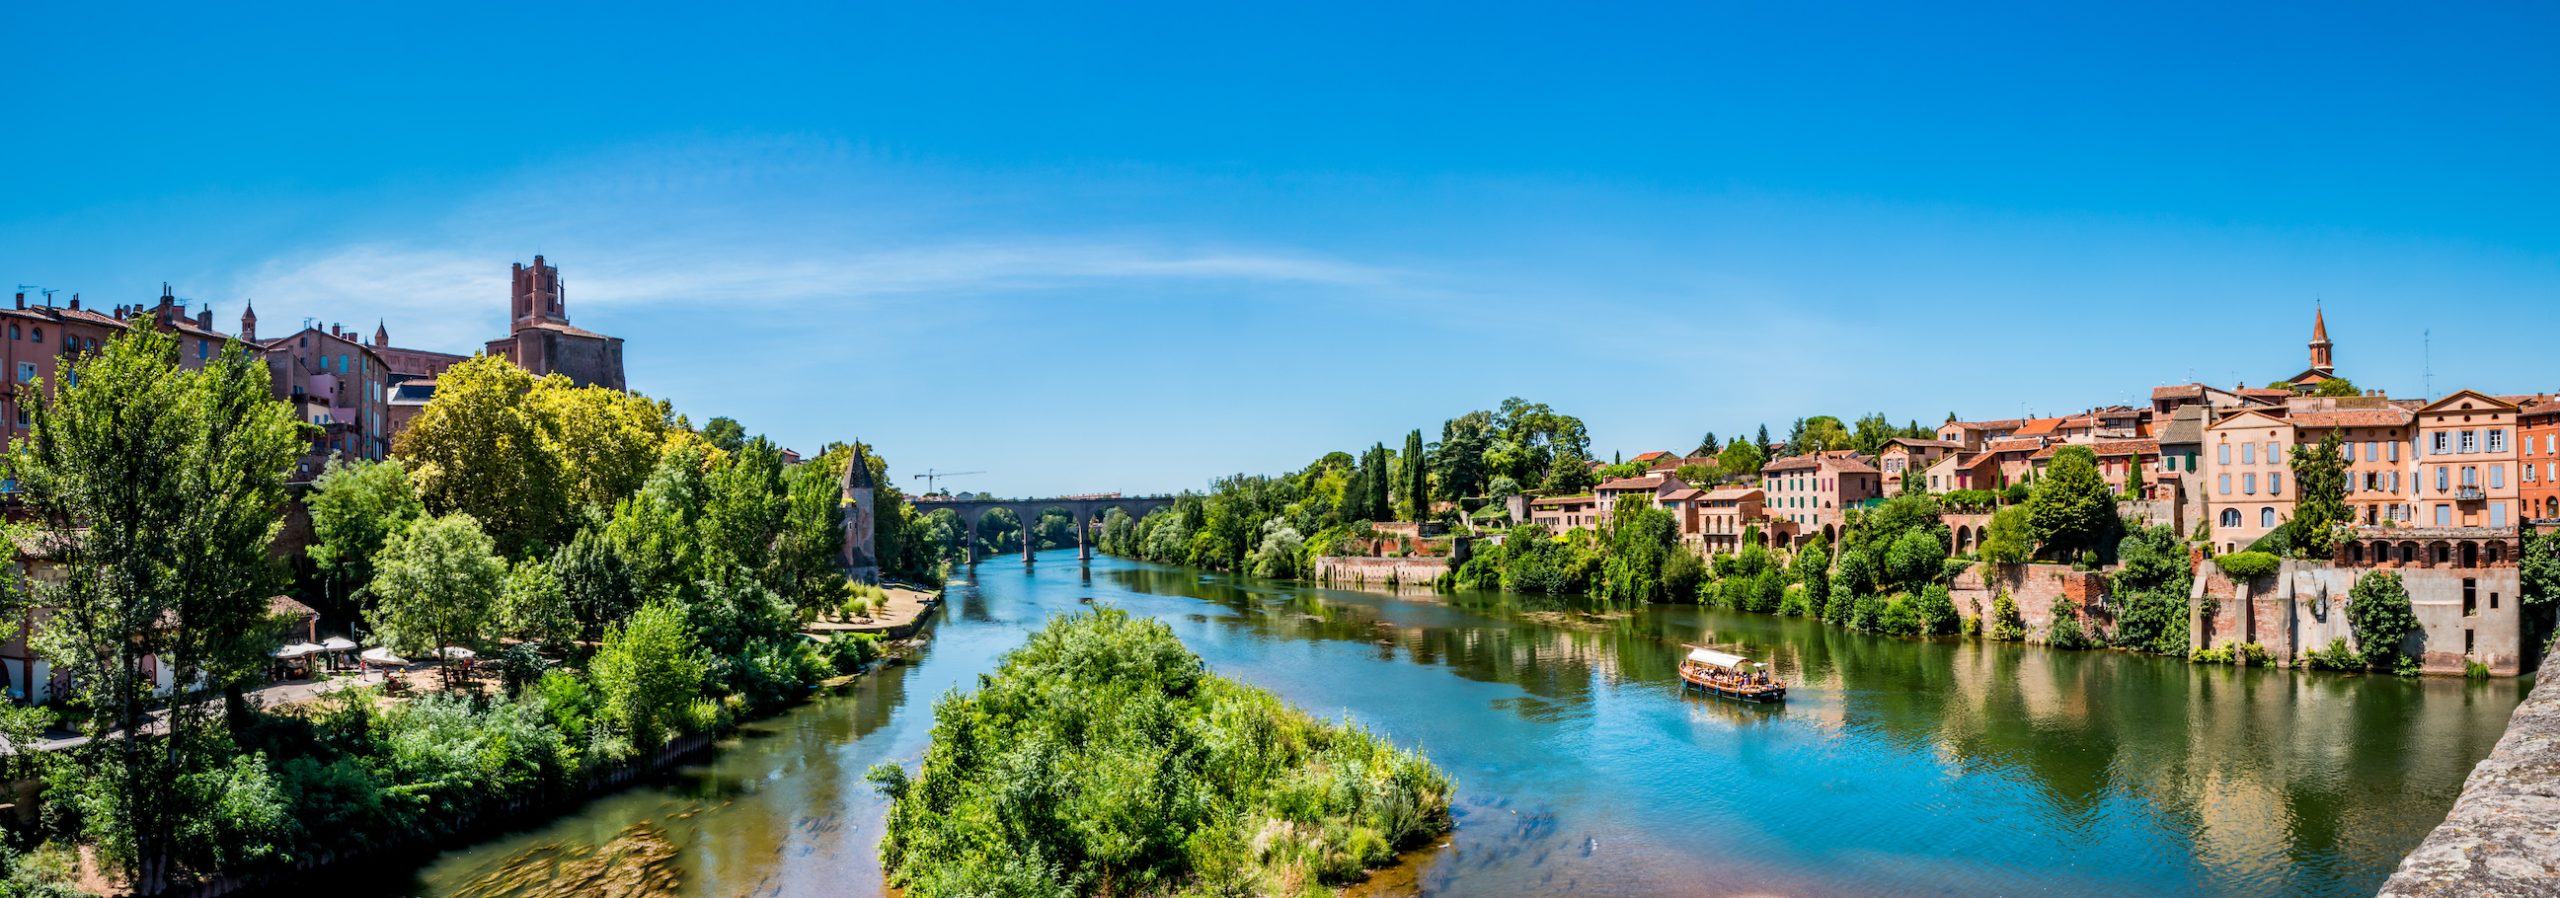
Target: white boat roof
[[1713, 658]]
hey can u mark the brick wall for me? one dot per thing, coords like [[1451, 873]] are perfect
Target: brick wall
[[2036, 588], [1380, 571]]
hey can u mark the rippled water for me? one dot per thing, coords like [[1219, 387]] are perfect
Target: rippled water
[[1897, 767]]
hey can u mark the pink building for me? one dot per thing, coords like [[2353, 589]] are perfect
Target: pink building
[[1813, 491]]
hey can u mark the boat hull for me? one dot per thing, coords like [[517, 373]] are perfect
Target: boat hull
[[1753, 694]]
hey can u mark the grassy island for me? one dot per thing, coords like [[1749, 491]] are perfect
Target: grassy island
[[1103, 759]]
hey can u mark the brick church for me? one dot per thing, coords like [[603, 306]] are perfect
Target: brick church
[[540, 338]]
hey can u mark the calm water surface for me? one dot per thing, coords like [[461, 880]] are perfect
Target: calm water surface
[[1897, 767]]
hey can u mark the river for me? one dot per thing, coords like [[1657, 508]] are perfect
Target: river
[[1897, 767]]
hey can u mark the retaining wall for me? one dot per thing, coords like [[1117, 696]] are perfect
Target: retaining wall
[[2036, 588], [2502, 839], [1415, 571]]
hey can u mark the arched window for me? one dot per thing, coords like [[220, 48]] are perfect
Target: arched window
[[2231, 517], [2267, 518]]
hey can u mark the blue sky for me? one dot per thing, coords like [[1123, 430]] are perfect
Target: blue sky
[[1137, 247]]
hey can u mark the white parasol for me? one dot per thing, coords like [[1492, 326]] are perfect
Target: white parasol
[[382, 655]]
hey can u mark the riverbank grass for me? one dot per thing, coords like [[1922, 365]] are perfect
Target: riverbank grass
[[1103, 759]]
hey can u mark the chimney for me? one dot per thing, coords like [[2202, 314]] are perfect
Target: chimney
[[22, 299], [204, 319], [75, 302]]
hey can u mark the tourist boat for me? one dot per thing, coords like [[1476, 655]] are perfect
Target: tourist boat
[[1730, 675]]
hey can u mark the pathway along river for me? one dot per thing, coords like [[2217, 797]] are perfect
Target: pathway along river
[[1896, 767]]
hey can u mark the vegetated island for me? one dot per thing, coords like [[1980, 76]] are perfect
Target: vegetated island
[[1102, 758]]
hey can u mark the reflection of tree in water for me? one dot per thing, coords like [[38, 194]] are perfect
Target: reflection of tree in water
[[2293, 783]]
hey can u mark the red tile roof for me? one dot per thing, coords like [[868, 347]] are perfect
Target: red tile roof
[[2363, 417], [2028, 445], [2002, 424], [1647, 482], [2039, 426], [1735, 493]]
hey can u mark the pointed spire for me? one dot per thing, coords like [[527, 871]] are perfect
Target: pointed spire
[[2319, 324], [381, 332]]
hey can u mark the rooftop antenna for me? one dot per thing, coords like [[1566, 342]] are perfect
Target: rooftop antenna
[[2427, 357], [47, 291]]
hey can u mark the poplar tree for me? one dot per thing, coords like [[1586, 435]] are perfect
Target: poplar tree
[[2320, 484], [158, 491], [1417, 484]]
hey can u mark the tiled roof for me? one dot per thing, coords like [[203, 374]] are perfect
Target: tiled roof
[[1928, 444], [2368, 417], [1552, 501], [1733, 493], [2029, 445], [1791, 463], [2187, 426], [1649, 456], [2001, 424], [1684, 495], [2126, 447], [561, 327], [2180, 391], [1647, 482], [2262, 392]]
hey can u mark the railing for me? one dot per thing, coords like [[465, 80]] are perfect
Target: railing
[[2469, 494]]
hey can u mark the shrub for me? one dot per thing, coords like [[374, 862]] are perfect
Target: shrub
[[2245, 566], [1797, 602], [2474, 670], [2007, 625], [1972, 626], [2336, 657], [1896, 616], [2378, 613], [647, 672], [2067, 632], [1936, 610], [1102, 758]]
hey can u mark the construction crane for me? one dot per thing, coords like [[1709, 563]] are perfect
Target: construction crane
[[930, 475]]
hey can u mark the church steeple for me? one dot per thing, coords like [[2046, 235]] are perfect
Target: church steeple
[[2320, 342]]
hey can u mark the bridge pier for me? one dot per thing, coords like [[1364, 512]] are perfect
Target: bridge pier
[[1084, 549]]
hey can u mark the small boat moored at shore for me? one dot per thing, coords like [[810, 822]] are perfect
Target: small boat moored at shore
[[1730, 675]]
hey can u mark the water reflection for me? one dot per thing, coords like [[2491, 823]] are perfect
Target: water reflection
[[1897, 767]]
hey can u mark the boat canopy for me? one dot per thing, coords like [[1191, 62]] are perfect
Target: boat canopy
[[1713, 658]]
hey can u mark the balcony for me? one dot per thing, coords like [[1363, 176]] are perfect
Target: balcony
[[2468, 494]]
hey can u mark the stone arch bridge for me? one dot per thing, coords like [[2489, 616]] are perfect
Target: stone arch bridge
[[1087, 510]]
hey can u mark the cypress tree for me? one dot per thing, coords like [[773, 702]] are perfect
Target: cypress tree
[[1417, 486]]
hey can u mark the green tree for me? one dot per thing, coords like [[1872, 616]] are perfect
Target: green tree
[[355, 506], [811, 544], [2009, 538], [1639, 540], [1812, 567], [2320, 496], [2337, 387], [437, 585], [744, 509], [648, 673], [2151, 587], [534, 608], [478, 449], [602, 441], [656, 532], [2378, 612], [159, 490], [1741, 459], [593, 581], [1417, 478], [2072, 509], [725, 433]]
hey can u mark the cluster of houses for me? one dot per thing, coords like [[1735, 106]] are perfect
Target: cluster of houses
[[2447, 482], [354, 394]]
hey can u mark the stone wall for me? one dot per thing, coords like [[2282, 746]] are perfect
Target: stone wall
[[2502, 838], [1419, 571], [2036, 588], [2303, 606]]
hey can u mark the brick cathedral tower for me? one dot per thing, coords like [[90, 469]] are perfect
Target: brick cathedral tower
[[537, 294], [2319, 342]]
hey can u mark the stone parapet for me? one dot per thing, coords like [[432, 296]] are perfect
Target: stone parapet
[[2502, 838]]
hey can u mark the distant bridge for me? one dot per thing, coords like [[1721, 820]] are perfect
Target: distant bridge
[[1087, 509]]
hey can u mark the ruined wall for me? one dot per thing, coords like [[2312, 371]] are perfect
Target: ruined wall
[[1419, 571], [2303, 607], [2036, 588]]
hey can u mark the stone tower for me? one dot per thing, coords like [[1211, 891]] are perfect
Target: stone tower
[[249, 323], [861, 560], [2320, 343]]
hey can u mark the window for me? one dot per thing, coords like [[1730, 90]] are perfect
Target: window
[[2248, 453], [2444, 515], [2275, 483], [2230, 517], [2249, 484], [2497, 514], [2222, 454], [2372, 451], [204, 349], [13, 332], [2267, 518], [2497, 476], [38, 335], [2394, 450], [2438, 440], [2470, 597], [2470, 441], [2443, 479], [2226, 490], [2274, 453], [26, 372], [2470, 476], [2498, 440]]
